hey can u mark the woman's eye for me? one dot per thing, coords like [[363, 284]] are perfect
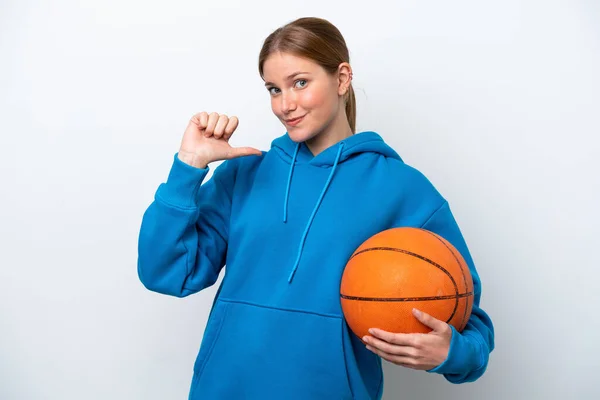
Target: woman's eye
[[299, 84]]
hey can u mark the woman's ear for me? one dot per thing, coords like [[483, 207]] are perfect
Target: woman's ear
[[344, 78]]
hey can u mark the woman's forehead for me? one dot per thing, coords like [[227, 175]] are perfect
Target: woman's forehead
[[281, 66]]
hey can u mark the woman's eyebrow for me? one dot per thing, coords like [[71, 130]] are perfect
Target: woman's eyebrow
[[288, 77]]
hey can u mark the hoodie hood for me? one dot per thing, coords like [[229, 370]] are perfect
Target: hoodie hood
[[364, 142], [298, 153]]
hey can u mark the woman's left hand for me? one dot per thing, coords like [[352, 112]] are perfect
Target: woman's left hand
[[421, 351]]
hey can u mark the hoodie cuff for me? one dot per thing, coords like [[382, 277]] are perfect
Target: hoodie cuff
[[183, 183], [463, 356]]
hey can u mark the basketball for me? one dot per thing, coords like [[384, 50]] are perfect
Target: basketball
[[400, 269]]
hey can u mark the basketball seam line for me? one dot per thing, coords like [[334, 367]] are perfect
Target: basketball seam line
[[462, 270], [423, 298]]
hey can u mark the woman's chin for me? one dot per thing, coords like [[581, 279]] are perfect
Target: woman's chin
[[297, 135]]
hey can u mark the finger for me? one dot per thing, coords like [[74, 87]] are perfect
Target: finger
[[231, 127], [243, 151], [203, 117], [407, 362], [221, 124], [402, 339], [213, 118], [389, 348], [197, 119], [429, 321]]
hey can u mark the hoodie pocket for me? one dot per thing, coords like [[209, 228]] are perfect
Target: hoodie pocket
[[211, 333], [258, 352]]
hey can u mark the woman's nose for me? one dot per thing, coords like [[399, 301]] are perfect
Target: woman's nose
[[288, 103]]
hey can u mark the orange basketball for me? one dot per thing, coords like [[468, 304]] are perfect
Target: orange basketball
[[400, 269]]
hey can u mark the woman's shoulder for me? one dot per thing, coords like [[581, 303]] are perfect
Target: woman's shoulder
[[236, 168], [401, 168], [410, 180]]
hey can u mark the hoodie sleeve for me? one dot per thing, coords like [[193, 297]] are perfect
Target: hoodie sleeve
[[183, 236], [469, 350]]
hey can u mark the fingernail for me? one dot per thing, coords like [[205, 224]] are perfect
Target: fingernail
[[416, 312], [365, 338], [371, 331]]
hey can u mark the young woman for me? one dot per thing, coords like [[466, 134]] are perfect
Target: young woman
[[285, 223]]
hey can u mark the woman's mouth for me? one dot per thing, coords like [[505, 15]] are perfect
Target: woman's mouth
[[295, 121]]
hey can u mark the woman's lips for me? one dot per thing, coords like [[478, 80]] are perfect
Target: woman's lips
[[294, 122]]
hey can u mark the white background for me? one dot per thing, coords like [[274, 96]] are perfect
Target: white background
[[497, 102]]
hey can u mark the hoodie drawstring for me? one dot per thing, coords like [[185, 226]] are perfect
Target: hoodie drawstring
[[287, 190], [314, 212]]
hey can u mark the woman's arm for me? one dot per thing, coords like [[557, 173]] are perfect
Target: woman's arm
[[184, 232]]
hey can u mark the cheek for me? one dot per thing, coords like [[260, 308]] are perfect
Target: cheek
[[275, 107], [312, 99], [317, 100], [321, 104]]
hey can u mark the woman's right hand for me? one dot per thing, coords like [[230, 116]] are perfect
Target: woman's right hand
[[206, 139]]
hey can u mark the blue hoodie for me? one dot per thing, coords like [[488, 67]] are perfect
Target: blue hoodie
[[285, 225]]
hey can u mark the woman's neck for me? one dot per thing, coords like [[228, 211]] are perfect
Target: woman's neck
[[339, 129]]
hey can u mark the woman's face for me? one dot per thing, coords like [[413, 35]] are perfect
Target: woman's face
[[300, 88]]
